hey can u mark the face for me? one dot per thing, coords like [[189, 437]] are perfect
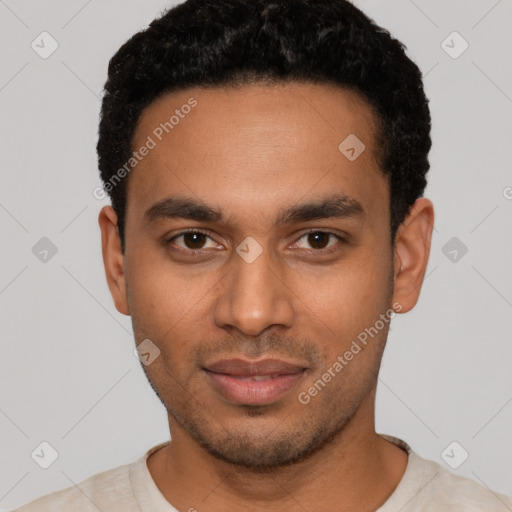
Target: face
[[252, 238]]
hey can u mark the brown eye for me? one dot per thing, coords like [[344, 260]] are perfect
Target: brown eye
[[192, 241], [318, 240]]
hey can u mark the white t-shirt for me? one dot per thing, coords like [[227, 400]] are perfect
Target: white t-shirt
[[425, 487]]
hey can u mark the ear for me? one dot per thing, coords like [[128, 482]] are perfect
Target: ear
[[113, 258], [412, 249]]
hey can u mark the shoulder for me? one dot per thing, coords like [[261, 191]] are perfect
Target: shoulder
[[459, 493], [111, 487], [426, 486]]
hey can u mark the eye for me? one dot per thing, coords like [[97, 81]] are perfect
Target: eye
[[319, 240], [192, 241]]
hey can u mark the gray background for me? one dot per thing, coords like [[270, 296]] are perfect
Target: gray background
[[68, 374]]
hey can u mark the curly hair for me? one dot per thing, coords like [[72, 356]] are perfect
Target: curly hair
[[221, 43]]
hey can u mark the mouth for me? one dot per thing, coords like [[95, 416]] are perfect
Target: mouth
[[256, 378], [244, 382]]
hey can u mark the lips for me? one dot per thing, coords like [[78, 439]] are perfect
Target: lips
[[245, 382], [242, 368]]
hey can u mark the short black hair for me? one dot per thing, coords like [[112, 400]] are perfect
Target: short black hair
[[235, 42]]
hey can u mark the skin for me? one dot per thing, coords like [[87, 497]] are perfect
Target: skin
[[253, 152]]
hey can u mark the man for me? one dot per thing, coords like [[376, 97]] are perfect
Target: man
[[266, 162]]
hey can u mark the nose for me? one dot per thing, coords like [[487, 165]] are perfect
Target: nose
[[254, 297]]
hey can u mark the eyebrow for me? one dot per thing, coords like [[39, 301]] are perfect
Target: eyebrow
[[174, 207], [340, 207], [330, 207]]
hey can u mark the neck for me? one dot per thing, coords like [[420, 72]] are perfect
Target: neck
[[357, 470]]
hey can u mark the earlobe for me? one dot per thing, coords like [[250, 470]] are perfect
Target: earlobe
[[113, 258], [412, 249]]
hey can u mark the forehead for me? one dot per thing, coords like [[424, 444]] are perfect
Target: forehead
[[258, 146]]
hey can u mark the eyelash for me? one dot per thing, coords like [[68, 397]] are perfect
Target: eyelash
[[327, 250]]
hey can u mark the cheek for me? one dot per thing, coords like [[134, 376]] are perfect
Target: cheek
[[161, 291], [348, 294]]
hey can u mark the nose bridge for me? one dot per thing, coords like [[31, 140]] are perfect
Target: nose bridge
[[255, 280], [254, 296]]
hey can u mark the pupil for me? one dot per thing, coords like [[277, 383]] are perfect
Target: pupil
[[193, 240], [318, 239]]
